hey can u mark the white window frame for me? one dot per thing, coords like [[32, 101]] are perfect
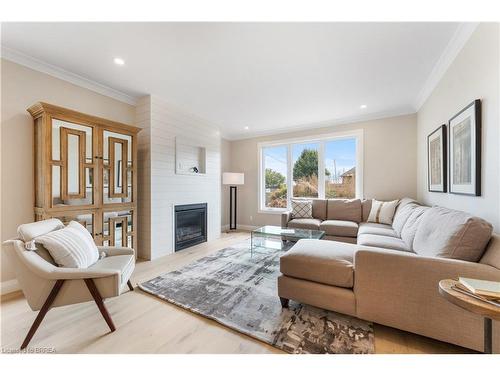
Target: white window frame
[[321, 140]]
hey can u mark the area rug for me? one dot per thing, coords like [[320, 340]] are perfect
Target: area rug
[[239, 290]]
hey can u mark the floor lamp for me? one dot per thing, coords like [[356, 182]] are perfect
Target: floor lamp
[[232, 179]]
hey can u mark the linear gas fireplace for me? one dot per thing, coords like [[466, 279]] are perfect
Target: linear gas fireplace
[[190, 225]]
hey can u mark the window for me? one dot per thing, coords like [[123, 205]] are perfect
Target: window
[[340, 168], [305, 170], [275, 172], [329, 167]]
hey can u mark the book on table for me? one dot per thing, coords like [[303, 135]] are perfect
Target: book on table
[[484, 288], [462, 289]]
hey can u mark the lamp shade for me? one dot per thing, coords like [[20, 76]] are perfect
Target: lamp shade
[[230, 178]]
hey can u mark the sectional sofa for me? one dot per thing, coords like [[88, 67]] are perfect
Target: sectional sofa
[[389, 274]]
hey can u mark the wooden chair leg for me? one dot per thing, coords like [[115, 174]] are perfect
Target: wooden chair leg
[[43, 311], [100, 304], [284, 302], [130, 285]]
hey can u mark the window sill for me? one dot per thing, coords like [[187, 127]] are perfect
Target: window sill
[[272, 212]]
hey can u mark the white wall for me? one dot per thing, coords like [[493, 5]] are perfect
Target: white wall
[[160, 188], [474, 74], [389, 172], [21, 87]]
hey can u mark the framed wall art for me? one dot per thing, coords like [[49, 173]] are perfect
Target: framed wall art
[[436, 160], [464, 134]]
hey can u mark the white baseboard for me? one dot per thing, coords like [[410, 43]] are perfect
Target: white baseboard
[[225, 228], [247, 227], [9, 286]]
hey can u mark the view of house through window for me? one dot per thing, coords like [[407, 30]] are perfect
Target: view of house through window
[[336, 156], [340, 168]]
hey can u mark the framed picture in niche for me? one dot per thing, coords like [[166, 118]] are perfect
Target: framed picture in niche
[[436, 160], [464, 134]]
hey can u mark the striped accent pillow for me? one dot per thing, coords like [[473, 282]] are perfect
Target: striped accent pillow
[[71, 247], [382, 212]]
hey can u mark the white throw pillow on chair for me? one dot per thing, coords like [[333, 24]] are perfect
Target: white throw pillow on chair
[[71, 247]]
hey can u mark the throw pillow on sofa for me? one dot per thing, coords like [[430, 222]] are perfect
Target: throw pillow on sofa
[[382, 212], [71, 247], [448, 233], [301, 209]]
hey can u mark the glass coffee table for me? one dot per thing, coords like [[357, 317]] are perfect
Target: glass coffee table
[[260, 237]]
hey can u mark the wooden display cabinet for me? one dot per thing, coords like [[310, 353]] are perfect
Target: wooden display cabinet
[[86, 170]]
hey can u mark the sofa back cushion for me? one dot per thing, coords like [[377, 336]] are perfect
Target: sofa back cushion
[[319, 208], [402, 214], [366, 206], [344, 209], [411, 225], [452, 234]]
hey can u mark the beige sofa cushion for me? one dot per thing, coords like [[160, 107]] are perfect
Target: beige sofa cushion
[[344, 209], [384, 242], [304, 224], [325, 262], [411, 225], [319, 208], [452, 234], [378, 229], [402, 214], [366, 206], [339, 228]]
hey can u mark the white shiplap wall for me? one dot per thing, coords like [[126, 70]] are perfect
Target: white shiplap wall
[[143, 120], [160, 188]]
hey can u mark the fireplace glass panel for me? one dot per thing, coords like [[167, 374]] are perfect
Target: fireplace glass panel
[[190, 225]]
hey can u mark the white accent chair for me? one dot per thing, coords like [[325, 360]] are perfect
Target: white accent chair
[[45, 285]]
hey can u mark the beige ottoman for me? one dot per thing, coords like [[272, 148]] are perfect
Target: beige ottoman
[[319, 273]]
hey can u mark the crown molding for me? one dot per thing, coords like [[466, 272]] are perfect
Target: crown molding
[[323, 124], [453, 48], [54, 71]]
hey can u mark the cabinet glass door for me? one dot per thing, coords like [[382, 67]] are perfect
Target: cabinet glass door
[[117, 167], [72, 164], [118, 228]]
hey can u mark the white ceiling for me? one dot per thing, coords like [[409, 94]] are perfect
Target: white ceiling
[[267, 76]]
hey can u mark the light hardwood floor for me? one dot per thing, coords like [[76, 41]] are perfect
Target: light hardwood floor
[[146, 324]]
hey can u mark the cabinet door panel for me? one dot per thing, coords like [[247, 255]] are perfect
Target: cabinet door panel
[[118, 228], [72, 164], [117, 167]]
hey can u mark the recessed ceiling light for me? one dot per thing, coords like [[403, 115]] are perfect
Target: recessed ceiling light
[[363, 106], [119, 61], [246, 128]]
